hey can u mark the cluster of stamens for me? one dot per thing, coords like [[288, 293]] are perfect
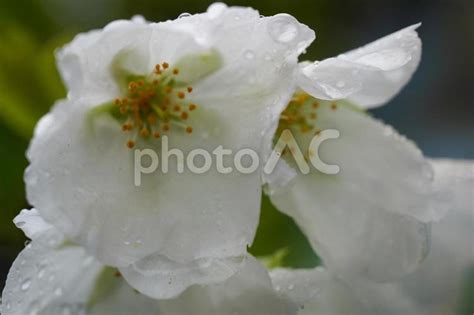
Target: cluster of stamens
[[154, 104], [301, 113], [297, 115]]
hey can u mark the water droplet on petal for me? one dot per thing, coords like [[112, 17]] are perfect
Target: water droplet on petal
[[88, 261], [26, 284], [340, 84], [249, 54], [58, 291], [283, 28], [216, 9], [41, 272], [184, 15]]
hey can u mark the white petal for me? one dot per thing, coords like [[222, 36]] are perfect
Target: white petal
[[369, 76], [320, 293], [184, 217], [438, 286], [316, 292], [365, 219], [248, 292], [49, 280], [162, 278], [172, 214], [260, 57], [114, 296], [31, 223], [85, 63]]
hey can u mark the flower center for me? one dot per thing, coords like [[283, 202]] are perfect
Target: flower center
[[154, 104], [296, 114], [301, 113]]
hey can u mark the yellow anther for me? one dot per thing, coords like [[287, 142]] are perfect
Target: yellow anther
[[154, 103], [130, 144]]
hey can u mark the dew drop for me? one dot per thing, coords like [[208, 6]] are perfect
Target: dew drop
[[249, 54], [26, 284], [88, 261], [291, 287], [20, 224], [184, 15], [283, 29], [41, 272], [58, 291], [340, 84], [215, 10]]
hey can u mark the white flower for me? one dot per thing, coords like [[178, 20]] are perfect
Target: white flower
[[218, 78], [54, 277], [441, 283], [51, 277], [437, 287], [370, 220]]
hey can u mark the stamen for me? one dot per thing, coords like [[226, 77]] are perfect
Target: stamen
[[299, 113], [146, 107]]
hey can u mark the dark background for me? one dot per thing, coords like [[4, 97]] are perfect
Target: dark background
[[435, 109]]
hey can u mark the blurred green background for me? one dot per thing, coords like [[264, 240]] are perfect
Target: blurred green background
[[435, 110]]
